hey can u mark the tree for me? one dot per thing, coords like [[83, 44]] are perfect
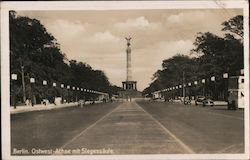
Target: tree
[[33, 48], [172, 72], [215, 56], [29, 45], [234, 25]]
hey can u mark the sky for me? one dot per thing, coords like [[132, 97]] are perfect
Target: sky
[[98, 37]]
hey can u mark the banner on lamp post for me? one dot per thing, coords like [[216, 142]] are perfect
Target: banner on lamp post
[[225, 75], [44, 82], [203, 81], [213, 78], [14, 76], [242, 71], [32, 80]]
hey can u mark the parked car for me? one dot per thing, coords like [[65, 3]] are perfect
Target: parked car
[[208, 102], [199, 100]]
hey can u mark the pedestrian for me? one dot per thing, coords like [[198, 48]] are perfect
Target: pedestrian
[[27, 102]]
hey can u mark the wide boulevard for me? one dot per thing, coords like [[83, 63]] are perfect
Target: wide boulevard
[[138, 127]]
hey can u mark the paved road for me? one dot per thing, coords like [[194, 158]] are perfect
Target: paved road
[[51, 129], [132, 128], [204, 129], [128, 129]]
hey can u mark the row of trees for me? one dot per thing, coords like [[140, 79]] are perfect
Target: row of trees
[[214, 55], [36, 53]]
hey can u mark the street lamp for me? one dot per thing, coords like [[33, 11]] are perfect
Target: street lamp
[[213, 80], [74, 93], [225, 76], [13, 78], [23, 83], [32, 81], [62, 86], [195, 88], [45, 84], [203, 81], [77, 93], [68, 87], [54, 85]]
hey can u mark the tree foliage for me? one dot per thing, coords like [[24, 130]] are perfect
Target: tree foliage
[[234, 25], [215, 55], [32, 47]]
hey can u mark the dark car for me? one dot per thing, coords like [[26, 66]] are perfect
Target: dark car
[[199, 100]]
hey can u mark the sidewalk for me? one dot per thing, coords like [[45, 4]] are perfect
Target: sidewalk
[[216, 103], [39, 107]]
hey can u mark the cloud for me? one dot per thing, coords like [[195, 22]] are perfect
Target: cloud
[[101, 43], [137, 23], [104, 37], [188, 17], [65, 30], [97, 37]]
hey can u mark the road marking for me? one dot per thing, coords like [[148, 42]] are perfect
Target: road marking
[[92, 125], [184, 146], [234, 147]]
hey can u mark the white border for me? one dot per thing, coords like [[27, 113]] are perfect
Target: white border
[[114, 5]]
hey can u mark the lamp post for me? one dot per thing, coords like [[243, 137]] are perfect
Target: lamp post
[[62, 86], [68, 87], [45, 84], [183, 88], [225, 76], [32, 81], [73, 93], [23, 83], [13, 78], [214, 87], [81, 93], [54, 85], [77, 94], [204, 86], [189, 90], [195, 89]]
